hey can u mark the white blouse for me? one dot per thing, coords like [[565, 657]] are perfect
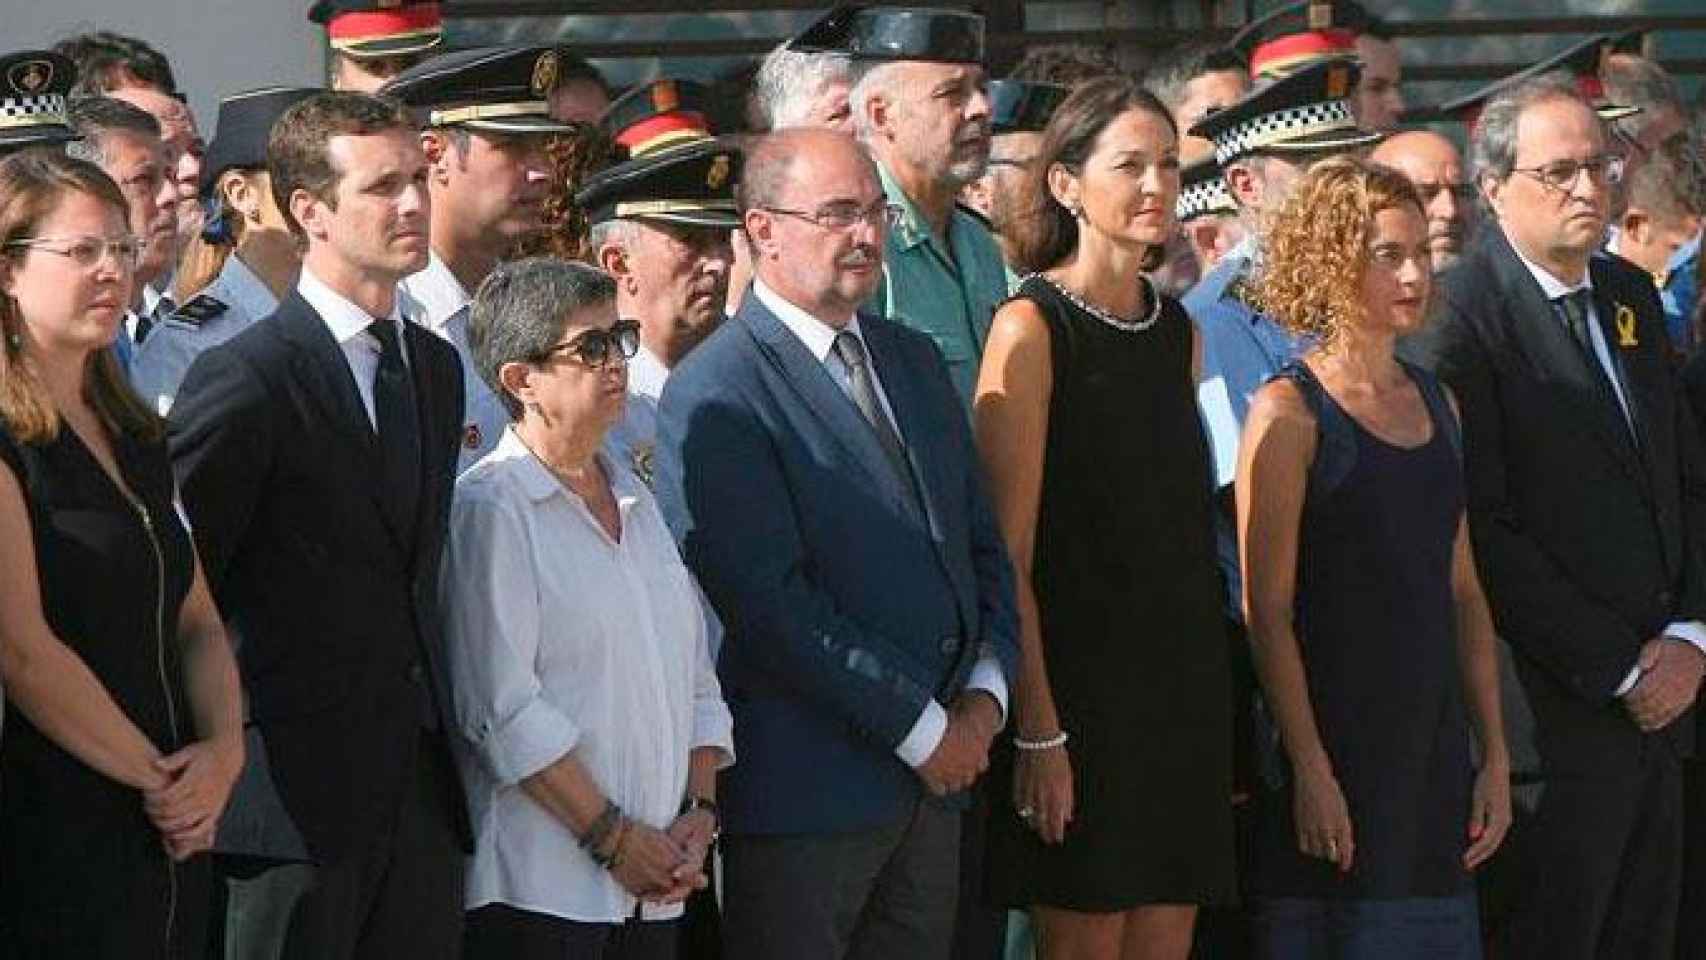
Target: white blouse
[[562, 639]]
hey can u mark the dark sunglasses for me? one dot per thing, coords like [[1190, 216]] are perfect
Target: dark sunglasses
[[594, 348]]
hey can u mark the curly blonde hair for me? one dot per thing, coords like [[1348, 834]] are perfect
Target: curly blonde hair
[[1315, 246]]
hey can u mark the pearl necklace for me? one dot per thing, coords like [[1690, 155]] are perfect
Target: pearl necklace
[[1108, 316]]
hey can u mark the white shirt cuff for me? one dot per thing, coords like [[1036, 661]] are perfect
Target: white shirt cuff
[[1689, 631], [925, 736], [986, 675], [1629, 682]]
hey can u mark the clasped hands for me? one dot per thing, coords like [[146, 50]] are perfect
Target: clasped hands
[[193, 786], [666, 866], [1671, 670], [963, 754]]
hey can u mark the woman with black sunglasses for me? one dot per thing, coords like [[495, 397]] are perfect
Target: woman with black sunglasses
[[591, 718]]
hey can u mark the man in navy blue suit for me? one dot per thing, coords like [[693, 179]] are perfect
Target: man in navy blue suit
[[818, 470]]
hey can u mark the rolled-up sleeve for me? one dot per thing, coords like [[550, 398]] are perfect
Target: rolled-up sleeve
[[713, 725], [490, 596]]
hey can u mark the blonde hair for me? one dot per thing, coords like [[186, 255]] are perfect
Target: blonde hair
[[32, 185], [1314, 251]]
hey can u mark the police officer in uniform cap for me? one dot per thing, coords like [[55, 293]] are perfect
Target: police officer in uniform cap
[[1207, 215], [244, 230], [660, 224], [34, 85], [374, 40], [488, 122], [1018, 112]]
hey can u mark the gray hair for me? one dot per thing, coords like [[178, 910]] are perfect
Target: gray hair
[[1492, 148], [883, 77], [613, 231], [97, 118], [1638, 82], [521, 309], [789, 80]]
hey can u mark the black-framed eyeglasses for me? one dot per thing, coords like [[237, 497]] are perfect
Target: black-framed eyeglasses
[[1562, 175], [594, 348], [87, 252], [843, 214]]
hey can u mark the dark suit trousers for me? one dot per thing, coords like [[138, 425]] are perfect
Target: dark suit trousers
[[1691, 918], [882, 894], [400, 893], [498, 931], [1608, 866]]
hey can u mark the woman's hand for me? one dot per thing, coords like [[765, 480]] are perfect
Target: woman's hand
[[1322, 817], [200, 776], [1042, 788], [693, 831], [647, 860], [1489, 813]]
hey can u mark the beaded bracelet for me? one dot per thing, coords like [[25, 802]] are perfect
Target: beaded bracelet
[[1058, 740], [615, 859], [600, 828]]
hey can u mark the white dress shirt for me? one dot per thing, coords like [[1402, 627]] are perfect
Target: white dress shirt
[[348, 324], [562, 639], [159, 363], [443, 305], [819, 338], [1688, 631]]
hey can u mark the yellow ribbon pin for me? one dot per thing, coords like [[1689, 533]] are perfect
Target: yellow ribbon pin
[[1626, 327]]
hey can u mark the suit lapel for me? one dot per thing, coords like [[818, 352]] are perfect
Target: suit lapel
[[1606, 314], [818, 390], [1556, 355]]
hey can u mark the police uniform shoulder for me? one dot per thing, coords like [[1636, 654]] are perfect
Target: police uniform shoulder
[[199, 309]]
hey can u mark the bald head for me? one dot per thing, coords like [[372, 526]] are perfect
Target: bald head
[[1448, 197]]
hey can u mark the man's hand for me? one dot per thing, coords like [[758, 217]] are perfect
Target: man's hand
[[1668, 685], [963, 754]]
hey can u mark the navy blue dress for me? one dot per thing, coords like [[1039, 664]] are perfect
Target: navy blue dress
[[1375, 621]]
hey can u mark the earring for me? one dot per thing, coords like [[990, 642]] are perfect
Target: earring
[[14, 340]]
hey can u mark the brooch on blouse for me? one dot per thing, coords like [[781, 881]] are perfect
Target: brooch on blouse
[[1625, 319], [641, 455]]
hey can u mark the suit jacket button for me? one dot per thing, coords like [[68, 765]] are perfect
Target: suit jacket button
[[417, 673], [950, 646]]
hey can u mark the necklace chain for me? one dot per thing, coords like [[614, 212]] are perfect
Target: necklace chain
[[1107, 316]]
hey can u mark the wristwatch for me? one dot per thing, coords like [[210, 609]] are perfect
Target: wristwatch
[[692, 803]]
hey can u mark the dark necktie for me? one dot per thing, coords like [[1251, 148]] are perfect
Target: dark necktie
[[1573, 307], [852, 353], [398, 424], [145, 322]]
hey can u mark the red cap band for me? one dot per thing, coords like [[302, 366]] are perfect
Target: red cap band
[[378, 24], [1294, 50], [663, 127]]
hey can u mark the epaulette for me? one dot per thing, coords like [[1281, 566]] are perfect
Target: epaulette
[[201, 308]]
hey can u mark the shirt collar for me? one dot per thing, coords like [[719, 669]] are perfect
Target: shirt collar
[[819, 337], [646, 374], [151, 300], [346, 320], [438, 292], [540, 484], [1550, 286], [912, 229]]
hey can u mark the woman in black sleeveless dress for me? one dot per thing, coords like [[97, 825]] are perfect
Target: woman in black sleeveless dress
[[1370, 632], [1111, 816], [111, 652]]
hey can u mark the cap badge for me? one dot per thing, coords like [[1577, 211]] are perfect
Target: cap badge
[[665, 97], [1320, 15], [388, 4], [1338, 83], [545, 73], [471, 436], [30, 77], [719, 172]]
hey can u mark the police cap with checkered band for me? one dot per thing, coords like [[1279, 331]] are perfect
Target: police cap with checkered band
[[34, 85], [1305, 112], [1202, 192]]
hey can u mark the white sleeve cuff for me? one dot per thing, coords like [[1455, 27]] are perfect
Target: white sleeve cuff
[[1629, 682], [537, 736], [986, 675], [926, 735], [1688, 631]]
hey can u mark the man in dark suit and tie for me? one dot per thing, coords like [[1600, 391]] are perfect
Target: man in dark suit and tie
[[1586, 497], [818, 470], [315, 452]]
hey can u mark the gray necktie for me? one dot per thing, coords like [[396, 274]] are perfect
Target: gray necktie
[[852, 353]]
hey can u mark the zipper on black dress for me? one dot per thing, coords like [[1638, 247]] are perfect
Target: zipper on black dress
[[165, 688]]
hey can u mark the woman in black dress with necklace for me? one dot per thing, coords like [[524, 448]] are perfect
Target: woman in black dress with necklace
[[122, 733], [1119, 771], [1369, 630]]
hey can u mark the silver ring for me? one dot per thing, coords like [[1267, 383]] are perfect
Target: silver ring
[[1026, 813]]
